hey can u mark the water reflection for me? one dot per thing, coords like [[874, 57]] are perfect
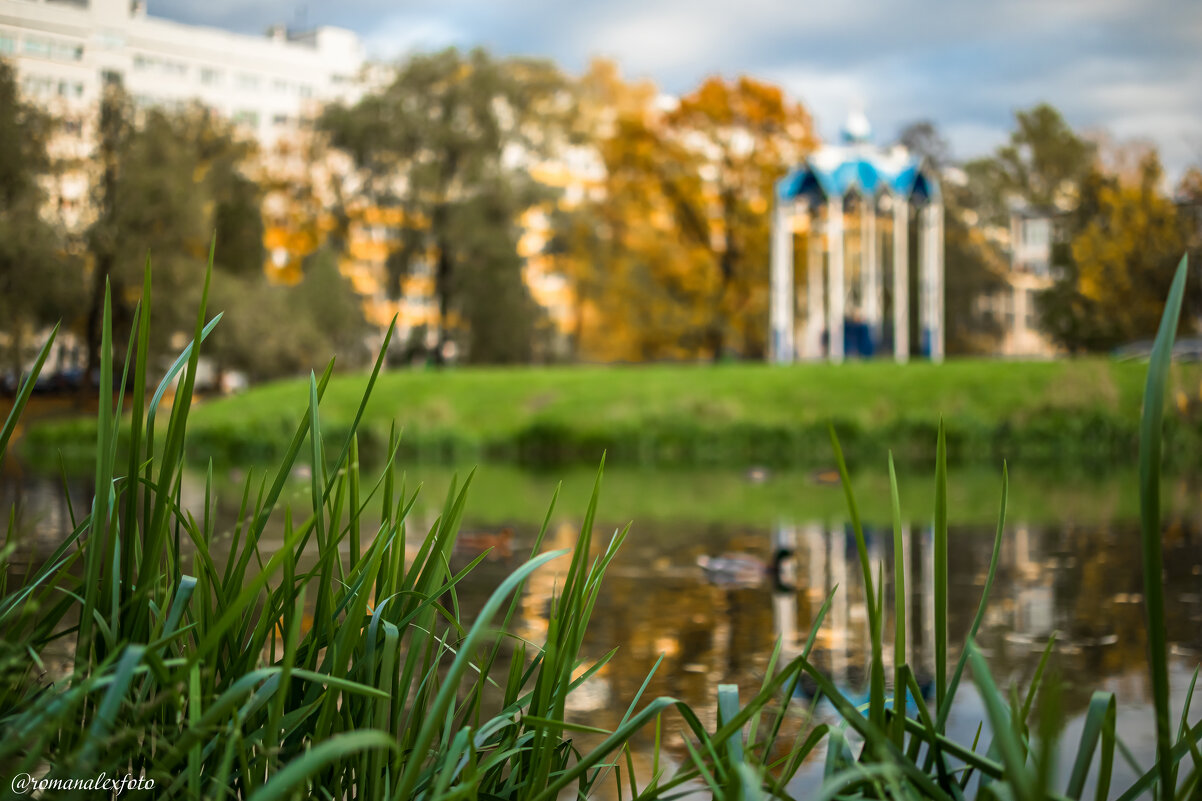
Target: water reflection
[[713, 600]]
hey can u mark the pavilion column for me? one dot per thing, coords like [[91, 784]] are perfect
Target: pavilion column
[[815, 290], [929, 290], [938, 318], [924, 277], [834, 246], [870, 274], [782, 300], [901, 280]]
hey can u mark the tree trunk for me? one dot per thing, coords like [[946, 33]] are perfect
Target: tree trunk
[[101, 270], [18, 345], [727, 262], [111, 127], [442, 280]]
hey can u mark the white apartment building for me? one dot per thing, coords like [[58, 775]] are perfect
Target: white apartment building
[[1029, 241], [1032, 234], [65, 50]]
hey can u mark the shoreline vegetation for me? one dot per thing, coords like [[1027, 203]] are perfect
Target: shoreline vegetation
[[202, 672], [1075, 414]]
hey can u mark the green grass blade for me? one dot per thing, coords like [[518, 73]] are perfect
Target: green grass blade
[[22, 398], [877, 668], [1149, 505], [946, 707], [283, 784], [728, 708], [1099, 727], [1008, 745], [899, 611]]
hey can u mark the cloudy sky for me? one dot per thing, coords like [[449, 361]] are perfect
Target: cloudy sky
[[1133, 67]]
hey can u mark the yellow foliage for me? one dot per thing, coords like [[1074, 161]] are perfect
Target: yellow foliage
[[1125, 256], [672, 262]]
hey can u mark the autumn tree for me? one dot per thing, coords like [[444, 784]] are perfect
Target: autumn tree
[[679, 239], [38, 281], [448, 144], [1189, 198], [1123, 260]]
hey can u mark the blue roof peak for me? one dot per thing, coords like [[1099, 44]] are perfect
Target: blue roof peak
[[857, 129]]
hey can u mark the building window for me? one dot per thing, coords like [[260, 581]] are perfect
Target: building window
[[8, 44], [37, 86], [279, 85], [248, 82], [210, 76], [37, 46], [66, 51], [247, 117], [1037, 233], [166, 66]]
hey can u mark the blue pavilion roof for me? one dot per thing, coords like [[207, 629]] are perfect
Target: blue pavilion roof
[[835, 171]]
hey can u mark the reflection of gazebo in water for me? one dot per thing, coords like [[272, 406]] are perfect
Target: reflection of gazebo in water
[[855, 180]]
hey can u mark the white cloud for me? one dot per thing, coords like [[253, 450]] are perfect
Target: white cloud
[[1134, 66]]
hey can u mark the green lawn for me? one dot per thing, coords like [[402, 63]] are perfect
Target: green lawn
[[497, 402], [736, 414]]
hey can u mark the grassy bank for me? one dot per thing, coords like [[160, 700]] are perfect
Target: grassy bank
[[1080, 412]]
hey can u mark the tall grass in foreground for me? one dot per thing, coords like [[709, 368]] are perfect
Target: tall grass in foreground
[[190, 662]]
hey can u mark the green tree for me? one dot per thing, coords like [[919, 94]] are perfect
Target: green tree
[[1041, 165], [449, 130], [39, 283], [270, 330], [502, 317], [327, 302], [170, 181]]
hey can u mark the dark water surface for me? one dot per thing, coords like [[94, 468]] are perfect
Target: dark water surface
[[713, 593]]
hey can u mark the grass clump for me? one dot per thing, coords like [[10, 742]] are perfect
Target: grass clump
[[321, 651]]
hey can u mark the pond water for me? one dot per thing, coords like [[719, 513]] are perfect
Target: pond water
[[720, 566]]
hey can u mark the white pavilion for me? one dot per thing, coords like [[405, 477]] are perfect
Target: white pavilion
[[853, 187]]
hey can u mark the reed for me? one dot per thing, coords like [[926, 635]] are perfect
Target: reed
[[335, 662]]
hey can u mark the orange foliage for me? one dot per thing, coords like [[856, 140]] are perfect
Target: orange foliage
[[671, 263]]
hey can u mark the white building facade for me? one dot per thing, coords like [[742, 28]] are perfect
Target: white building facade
[[65, 50]]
